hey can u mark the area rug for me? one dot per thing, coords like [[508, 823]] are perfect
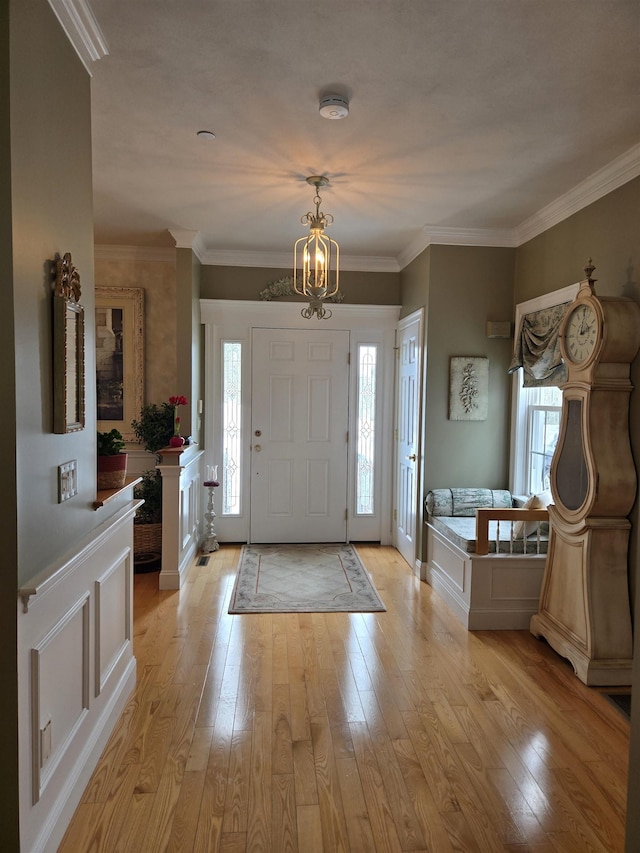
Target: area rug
[[302, 579]]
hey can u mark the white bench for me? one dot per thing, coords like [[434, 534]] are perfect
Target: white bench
[[488, 577]]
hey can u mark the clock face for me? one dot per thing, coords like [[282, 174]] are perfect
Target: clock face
[[580, 334]]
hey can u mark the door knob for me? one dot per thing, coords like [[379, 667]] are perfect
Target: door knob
[[412, 458]]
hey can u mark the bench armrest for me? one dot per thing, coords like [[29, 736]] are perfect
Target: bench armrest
[[484, 516]]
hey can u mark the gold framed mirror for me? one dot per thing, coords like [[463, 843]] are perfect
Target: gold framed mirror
[[68, 349]]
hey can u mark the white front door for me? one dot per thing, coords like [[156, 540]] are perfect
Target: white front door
[[299, 423], [408, 430]]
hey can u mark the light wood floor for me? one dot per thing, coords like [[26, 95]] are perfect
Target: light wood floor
[[349, 732]]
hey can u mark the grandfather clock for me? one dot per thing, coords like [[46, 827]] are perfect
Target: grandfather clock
[[584, 600]]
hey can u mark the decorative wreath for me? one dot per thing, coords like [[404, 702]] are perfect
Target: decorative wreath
[[284, 287]]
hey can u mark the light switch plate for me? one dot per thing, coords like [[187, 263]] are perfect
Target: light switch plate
[[67, 480]]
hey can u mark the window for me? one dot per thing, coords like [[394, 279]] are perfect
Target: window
[[366, 428], [231, 426], [535, 420], [543, 427]]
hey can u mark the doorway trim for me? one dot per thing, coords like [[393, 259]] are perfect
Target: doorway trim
[[225, 319]]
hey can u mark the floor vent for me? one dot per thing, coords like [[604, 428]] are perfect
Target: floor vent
[[202, 561]]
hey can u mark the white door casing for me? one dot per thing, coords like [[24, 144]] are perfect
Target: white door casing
[[408, 392], [234, 320], [299, 424]]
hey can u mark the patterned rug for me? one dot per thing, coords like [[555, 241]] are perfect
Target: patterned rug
[[302, 579]]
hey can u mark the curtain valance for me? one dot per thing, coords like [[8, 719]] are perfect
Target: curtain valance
[[537, 349]]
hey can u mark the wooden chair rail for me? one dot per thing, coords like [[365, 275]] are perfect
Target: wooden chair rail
[[484, 516]]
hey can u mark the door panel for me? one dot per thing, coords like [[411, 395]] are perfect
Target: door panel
[[408, 429], [299, 427]]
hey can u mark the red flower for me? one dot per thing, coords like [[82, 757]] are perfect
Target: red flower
[[178, 401]]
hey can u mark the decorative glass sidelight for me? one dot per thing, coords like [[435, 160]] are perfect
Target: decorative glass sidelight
[[231, 426], [366, 429]]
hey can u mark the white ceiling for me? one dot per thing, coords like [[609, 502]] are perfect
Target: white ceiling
[[468, 117]]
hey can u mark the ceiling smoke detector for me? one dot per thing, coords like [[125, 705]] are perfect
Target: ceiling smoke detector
[[334, 106]]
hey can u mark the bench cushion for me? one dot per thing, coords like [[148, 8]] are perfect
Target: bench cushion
[[462, 532], [463, 502]]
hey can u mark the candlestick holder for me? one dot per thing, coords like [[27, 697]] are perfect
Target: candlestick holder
[[211, 483]]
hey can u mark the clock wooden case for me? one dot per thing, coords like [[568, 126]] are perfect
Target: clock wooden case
[[584, 611]]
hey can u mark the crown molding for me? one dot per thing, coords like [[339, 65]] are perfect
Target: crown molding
[[620, 171], [434, 235], [82, 29], [283, 260], [186, 239], [103, 252]]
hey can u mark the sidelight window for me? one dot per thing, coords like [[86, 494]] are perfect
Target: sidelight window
[[231, 426], [366, 429]]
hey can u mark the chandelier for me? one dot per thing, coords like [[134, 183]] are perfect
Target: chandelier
[[316, 258]]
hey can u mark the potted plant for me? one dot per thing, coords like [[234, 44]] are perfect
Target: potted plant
[[155, 426], [153, 429], [111, 462], [147, 526]]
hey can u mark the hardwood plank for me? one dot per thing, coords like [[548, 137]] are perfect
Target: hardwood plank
[[260, 781], [237, 793], [284, 830], [309, 829], [329, 799], [304, 773], [359, 831]]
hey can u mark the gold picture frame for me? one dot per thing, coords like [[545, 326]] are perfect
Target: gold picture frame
[[119, 358], [68, 349]]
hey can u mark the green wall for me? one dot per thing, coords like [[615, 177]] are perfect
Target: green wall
[[361, 288], [52, 213], [607, 231], [461, 288], [9, 806]]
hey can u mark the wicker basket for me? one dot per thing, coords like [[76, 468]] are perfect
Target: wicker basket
[[147, 538]]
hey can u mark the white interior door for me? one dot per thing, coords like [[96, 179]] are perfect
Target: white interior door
[[299, 423], [408, 431]]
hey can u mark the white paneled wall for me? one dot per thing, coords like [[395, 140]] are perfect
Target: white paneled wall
[[76, 672], [182, 501]]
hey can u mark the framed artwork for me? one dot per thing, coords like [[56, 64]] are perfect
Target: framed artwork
[[119, 358], [68, 349], [468, 388]]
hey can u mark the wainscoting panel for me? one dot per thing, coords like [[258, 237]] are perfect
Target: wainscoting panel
[[76, 671], [113, 617], [59, 691]]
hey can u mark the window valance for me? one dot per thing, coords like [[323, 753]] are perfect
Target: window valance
[[537, 349]]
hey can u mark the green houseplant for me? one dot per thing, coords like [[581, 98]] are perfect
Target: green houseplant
[[155, 426], [111, 460], [150, 491], [153, 429]]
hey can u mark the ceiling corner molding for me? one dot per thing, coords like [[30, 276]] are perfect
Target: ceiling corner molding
[[435, 235], [620, 171], [131, 254], [82, 29], [186, 239]]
